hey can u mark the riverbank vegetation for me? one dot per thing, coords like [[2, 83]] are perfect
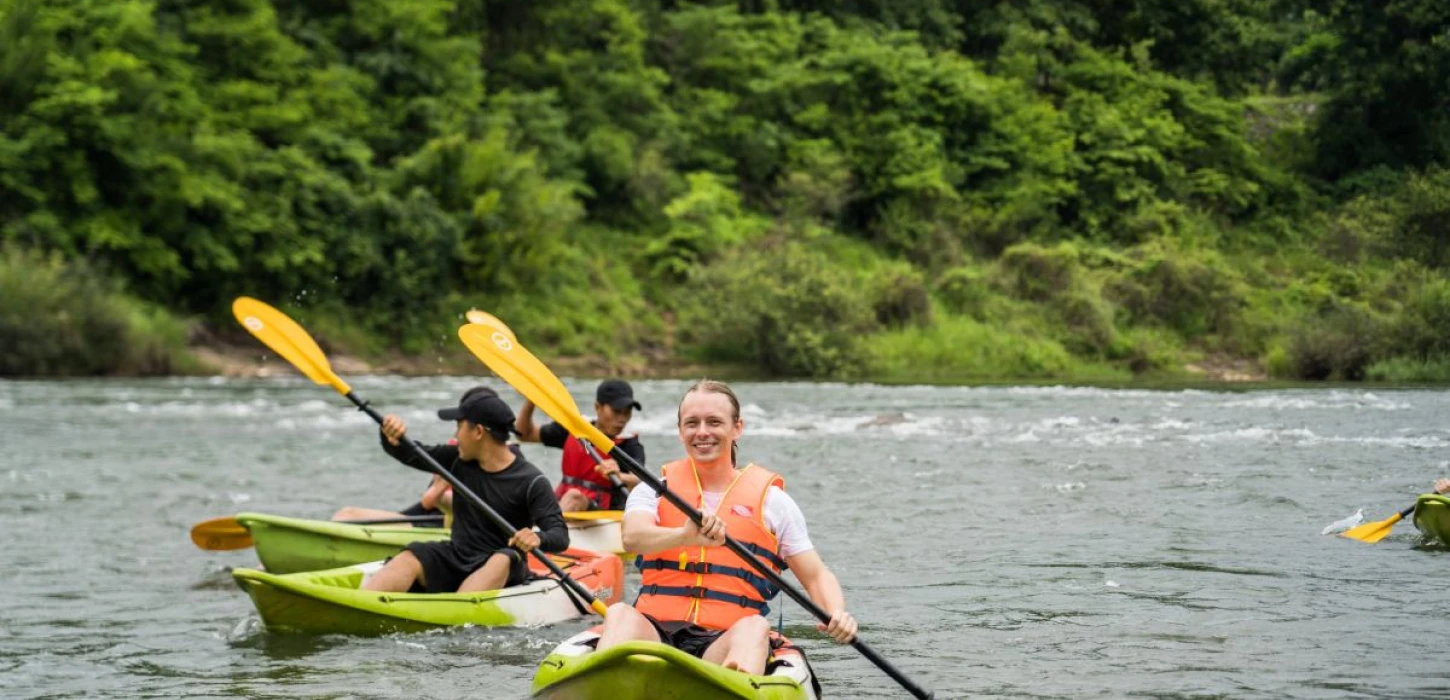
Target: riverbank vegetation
[[910, 191]]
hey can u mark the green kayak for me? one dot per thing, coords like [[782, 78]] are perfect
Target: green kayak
[[653, 671], [1432, 516], [332, 602], [289, 545]]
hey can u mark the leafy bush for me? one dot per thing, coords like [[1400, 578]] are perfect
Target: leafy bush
[[899, 297], [1424, 326], [1340, 344], [65, 319], [963, 349], [703, 222], [1192, 294], [1409, 369], [786, 310], [1035, 273], [964, 290]]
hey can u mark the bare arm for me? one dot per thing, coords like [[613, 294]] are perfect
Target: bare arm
[[643, 536], [826, 592], [528, 432]]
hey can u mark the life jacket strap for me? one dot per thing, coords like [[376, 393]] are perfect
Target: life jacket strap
[[760, 583], [767, 555], [702, 592]]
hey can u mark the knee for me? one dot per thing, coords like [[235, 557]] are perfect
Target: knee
[[621, 612], [405, 560], [753, 626]]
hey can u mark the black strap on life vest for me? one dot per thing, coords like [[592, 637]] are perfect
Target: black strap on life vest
[[762, 585], [702, 592]]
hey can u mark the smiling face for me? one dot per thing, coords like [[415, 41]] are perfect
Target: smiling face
[[709, 425]]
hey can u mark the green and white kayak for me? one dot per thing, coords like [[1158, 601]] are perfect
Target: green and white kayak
[[1432, 516], [653, 671], [290, 545], [332, 601]]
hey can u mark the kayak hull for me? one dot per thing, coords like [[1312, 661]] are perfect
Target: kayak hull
[[291, 545], [597, 531], [1432, 516], [640, 670], [331, 601]]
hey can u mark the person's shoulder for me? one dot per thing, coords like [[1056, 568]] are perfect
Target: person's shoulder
[[522, 465], [778, 495]]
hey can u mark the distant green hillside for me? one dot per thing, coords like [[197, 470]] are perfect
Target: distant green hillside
[[914, 190]]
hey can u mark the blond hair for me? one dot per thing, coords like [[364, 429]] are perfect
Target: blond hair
[[711, 386]]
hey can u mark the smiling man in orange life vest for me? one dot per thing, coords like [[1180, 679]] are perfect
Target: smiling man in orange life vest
[[696, 594], [586, 484]]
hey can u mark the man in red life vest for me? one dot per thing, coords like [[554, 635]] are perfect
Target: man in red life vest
[[696, 594], [586, 484]]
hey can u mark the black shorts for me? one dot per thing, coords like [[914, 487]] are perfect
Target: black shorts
[[444, 571], [418, 509], [689, 638]]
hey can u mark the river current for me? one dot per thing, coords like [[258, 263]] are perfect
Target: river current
[[993, 541]]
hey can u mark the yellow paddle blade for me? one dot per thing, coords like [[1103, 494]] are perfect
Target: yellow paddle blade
[[1372, 532], [513, 363], [580, 515], [484, 318], [287, 339], [221, 534]]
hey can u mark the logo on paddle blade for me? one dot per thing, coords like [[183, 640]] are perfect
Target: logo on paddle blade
[[742, 511], [253, 323], [502, 341]]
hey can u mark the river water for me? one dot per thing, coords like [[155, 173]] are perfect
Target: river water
[[994, 541]]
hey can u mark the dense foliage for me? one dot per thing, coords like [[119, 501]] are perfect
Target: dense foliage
[[914, 189]]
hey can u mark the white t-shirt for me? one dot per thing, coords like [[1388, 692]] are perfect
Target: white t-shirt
[[782, 516]]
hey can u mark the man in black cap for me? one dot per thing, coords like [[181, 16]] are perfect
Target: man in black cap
[[585, 484], [478, 557]]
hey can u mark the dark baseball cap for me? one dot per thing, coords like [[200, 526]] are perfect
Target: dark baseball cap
[[482, 406], [617, 394]]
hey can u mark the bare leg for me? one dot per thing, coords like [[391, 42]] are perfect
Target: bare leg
[[491, 576], [743, 647], [625, 624], [397, 575], [573, 501], [356, 513]]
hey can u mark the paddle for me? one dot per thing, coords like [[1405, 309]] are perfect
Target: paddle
[[599, 459], [488, 320], [1374, 532], [221, 534], [289, 340], [516, 365]]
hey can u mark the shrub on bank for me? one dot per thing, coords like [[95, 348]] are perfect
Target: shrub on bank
[[786, 309], [65, 319]]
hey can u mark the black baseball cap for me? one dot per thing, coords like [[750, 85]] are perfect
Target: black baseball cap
[[617, 394], [482, 406]]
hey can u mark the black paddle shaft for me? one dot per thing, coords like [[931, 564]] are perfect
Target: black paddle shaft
[[745, 554], [598, 459], [459, 487]]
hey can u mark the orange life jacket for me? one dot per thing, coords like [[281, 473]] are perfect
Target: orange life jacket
[[711, 586]]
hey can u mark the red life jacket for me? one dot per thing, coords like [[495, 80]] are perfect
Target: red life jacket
[[711, 586], [580, 475]]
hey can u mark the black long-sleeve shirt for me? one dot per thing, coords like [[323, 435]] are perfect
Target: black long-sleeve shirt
[[520, 493]]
